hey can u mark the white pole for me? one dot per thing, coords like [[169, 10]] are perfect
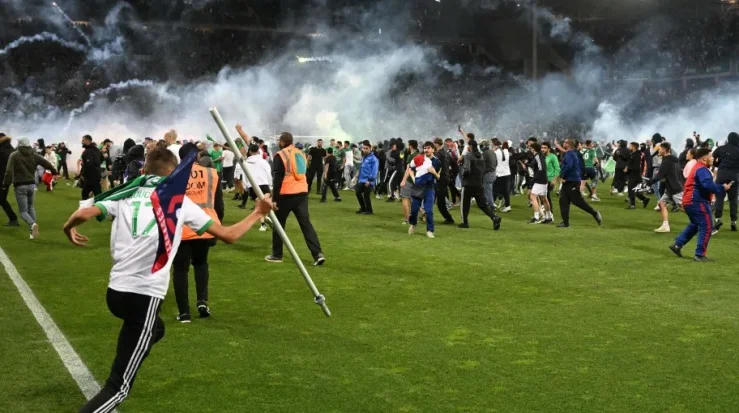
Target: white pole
[[319, 299]]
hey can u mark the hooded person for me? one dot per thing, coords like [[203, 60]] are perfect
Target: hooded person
[[6, 148], [726, 157], [21, 173], [135, 156], [473, 171]]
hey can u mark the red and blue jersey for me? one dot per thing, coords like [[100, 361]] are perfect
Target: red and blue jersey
[[699, 186]]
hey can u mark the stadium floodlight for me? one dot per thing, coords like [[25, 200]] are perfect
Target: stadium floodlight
[[319, 299]]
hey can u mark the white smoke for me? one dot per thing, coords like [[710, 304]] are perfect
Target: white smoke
[[42, 37]]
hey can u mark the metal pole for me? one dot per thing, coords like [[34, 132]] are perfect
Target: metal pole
[[319, 299]]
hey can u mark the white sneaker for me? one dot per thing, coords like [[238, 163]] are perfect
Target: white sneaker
[[34, 231], [411, 230], [664, 228], [263, 228], [656, 208], [620, 194], [595, 198], [506, 209], [430, 234]]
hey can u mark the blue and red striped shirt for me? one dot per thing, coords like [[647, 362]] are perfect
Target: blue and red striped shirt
[[699, 186]]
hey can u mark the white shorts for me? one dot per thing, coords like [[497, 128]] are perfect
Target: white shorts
[[539, 189], [676, 199]]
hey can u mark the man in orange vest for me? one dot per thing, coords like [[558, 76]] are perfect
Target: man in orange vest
[[203, 189], [290, 192]]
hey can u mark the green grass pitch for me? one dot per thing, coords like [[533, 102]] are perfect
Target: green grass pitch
[[527, 319]]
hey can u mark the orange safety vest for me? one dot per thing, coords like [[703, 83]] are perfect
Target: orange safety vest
[[295, 168], [201, 189]]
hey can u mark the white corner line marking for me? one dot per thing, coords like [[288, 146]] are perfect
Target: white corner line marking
[[72, 361]]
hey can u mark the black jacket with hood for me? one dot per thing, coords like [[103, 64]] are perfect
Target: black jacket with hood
[[671, 174], [5, 150], [135, 157], [473, 169], [727, 156]]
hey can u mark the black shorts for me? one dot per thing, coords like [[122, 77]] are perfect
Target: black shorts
[[264, 188], [590, 173]]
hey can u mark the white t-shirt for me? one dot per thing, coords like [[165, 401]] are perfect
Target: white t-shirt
[[503, 168], [228, 159], [134, 240], [175, 149]]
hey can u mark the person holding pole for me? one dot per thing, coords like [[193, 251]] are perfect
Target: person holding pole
[[290, 194]]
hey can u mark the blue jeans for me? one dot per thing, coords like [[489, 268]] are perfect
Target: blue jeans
[[24, 196], [701, 223], [428, 206]]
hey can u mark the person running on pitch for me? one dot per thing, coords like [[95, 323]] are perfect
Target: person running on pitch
[[423, 170], [142, 258], [473, 169], [697, 204], [571, 177], [634, 176], [670, 175], [540, 188]]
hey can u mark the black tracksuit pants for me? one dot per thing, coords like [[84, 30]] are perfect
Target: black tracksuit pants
[[469, 192], [196, 252], [570, 194], [142, 328], [442, 191], [329, 184], [723, 176], [363, 197], [619, 179], [91, 186], [633, 182], [316, 172], [6, 206], [550, 188], [298, 205]]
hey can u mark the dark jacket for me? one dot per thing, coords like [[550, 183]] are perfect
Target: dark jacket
[[473, 170], [727, 156], [443, 156], [91, 160], [491, 161], [22, 165], [539, 165], [570, 169], [135, 158], [63, 151], [634, 165], [671, 174], [5, 150], [621, 156]]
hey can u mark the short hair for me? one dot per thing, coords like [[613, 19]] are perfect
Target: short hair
[[536, 146], [496, 142], [330, 150], [448, 140], [701, 152], [666, 146], [87, 138], [532, 139], [253, 148], [471, 136], [547, 144], [186, 149], [320, 140], [171, 134], [438, 141], [588, 142], [286, 137], [161, 143], [160, 162], [429, 144], [366, 143], [413, 144], [634, 144], [347, 143]]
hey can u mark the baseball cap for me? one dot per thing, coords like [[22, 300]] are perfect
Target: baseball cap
[[24, 142]]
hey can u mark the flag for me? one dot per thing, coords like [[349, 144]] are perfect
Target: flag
[[166, 200], [210, 139]]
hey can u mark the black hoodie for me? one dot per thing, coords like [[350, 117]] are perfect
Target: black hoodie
[[5, 150], [473, 170], [727, 156], [135, 157]]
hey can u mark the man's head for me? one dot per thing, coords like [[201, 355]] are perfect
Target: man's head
[[438, 143], [634, 146], [160, 162], [704, 156], [186, 149], [217, 146], [449, 143], [589, 144], [330, 150], [332, 143], [107, 143], [665, 149], [429, 148], [569, 144], [531, 141], [347, 144], [366, 148], [170, 137], [286, 139], [472, 144], [48, 149], [319, 143], [253, 149], [471, 136], [534, 146], [413, 145], [86, 140], [546, 147]]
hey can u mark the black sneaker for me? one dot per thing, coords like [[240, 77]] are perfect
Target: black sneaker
[[676, 208], [323, 201], [631, 207], [547, 221], [646, 202], [320, 259], [203, 309], [717, 224], [702, 259], [184, 318], [496, 222], [463, 225], [237, 197], [242, 206], [368, 213], [448, 222], [598, 218], [272, 258], [676, 250], [361, 211], [563, 225], [390, 200], [533, 220], [733, 226], [13, 224], [337, 199]]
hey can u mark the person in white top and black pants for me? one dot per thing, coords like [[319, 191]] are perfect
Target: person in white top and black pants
[[228, 168], [262, 174]]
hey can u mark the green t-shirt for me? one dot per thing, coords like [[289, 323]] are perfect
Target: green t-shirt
[[588, 155], [552, 166], [215, 155]]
